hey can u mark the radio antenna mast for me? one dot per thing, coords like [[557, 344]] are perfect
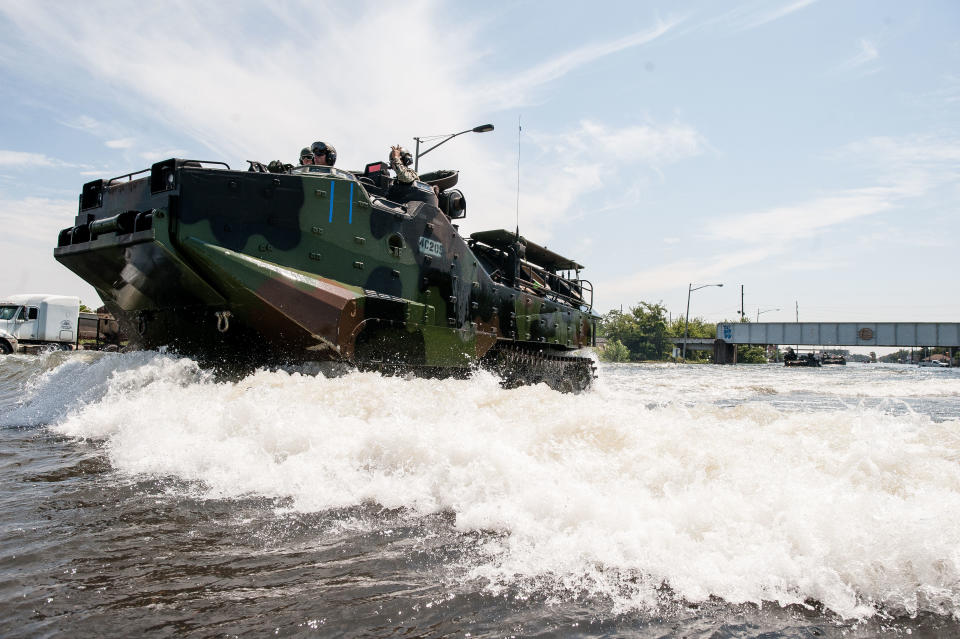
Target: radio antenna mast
[[519, 129]]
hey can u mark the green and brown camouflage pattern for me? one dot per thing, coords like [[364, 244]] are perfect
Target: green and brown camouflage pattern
[[307, 265]]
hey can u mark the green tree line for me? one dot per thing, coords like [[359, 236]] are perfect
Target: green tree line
[[643, 332], [915, 355]]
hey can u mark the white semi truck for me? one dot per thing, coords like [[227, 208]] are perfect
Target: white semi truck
[[30, 322]]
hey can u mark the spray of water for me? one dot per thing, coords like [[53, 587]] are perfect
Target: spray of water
[[683, 479]]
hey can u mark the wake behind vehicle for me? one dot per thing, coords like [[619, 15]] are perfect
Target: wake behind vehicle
[[250, 268]]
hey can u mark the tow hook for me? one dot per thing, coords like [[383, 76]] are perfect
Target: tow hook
[[223, 320]]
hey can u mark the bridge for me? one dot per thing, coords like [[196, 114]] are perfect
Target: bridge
[[894, 334], [694, 343]]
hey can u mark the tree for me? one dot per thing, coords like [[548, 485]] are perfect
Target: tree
[[751, 355], [698, 328], [615, 352], [642, 330]]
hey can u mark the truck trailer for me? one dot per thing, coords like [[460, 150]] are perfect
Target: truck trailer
[[31, 322]]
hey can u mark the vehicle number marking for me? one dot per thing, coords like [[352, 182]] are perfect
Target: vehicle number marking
[[431, 247]]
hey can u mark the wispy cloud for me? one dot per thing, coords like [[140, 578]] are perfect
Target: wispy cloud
[[935, 154], [570, 164], [950, 92], [672, 276], [651, 144], [122, 143], [907, 169], [815, 263], [156, 156], [21, 244], [750, 16], [246, 101], [82, 123], [241, 104], [771, 15], [809, 218], [867, 52], [47, 216], [516, 91], [21, 159]]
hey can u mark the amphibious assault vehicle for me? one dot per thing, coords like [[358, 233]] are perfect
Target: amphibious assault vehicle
[[253, 268]]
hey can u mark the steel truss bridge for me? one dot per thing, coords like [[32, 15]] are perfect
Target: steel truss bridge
[[896, 334]]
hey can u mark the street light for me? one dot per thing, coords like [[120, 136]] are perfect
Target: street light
[[766, 310], [686, 322], [483, 128]]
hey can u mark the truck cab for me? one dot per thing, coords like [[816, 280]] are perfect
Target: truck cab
[[37, 320]]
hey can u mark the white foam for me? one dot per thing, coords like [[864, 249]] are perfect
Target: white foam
[[61, 383], [641, 482]]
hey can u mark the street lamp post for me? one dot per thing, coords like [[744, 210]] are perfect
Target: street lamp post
[[686, 322], [766, 310], [483, 128]]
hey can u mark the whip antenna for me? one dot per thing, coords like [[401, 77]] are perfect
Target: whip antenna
[[519, 129]]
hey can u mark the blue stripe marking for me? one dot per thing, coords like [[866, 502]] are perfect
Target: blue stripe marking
[[332, 185], [350, 219]]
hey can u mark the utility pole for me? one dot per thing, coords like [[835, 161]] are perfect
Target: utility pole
[[686, 322], [797, 303], [741, 303]]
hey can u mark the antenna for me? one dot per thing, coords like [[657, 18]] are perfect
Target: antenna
[[519, 129]]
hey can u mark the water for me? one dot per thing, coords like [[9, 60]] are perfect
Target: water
[[140, 495]]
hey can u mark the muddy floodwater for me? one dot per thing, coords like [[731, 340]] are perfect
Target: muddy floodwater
[[141, 495]]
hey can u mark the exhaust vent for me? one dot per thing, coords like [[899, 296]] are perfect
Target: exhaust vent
[[92, 195], [163, 176]]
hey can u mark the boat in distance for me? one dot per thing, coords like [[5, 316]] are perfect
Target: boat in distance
[[252, 268]]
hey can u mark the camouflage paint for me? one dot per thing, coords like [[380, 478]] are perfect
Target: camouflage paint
[[311, 264]]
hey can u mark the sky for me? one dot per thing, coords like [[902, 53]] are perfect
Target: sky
[[806, 151]]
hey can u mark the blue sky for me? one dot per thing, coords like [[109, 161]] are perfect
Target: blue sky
[[809, 151]]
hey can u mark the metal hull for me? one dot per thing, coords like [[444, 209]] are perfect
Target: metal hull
[[250, 268]]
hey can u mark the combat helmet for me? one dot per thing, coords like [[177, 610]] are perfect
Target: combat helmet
[[318, 148]]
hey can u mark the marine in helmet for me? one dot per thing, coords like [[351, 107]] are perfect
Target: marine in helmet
[[400, 161], [306, 156], [407, 186], [323, 154]]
